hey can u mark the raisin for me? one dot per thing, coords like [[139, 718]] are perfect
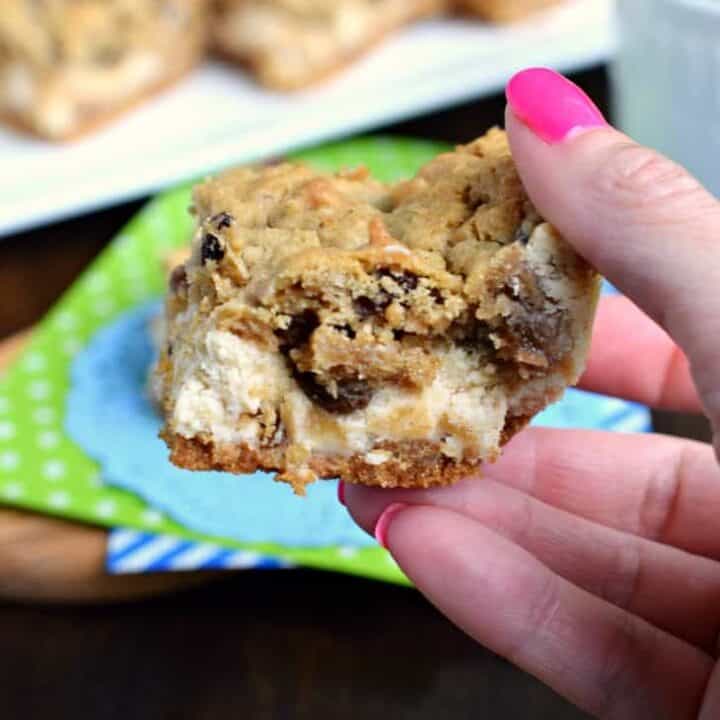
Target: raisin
[[222, 220], [474, 335], [351, 394], [299, 330], [406, 280], [211, 249], [536, 330], [178, 279], [521, 236], [364, 307], [345, 330], [436, 295]]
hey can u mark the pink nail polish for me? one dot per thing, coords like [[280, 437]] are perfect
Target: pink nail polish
[[554, 108], [341, 492], [383, 522]]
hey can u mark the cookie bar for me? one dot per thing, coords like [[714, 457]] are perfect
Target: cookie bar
[[391, 335], [66, 66], [503, 10], [292, 43]]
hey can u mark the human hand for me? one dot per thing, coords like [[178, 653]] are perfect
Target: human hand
[[591, 559]]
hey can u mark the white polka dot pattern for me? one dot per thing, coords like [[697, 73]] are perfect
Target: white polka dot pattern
[[54, 470], [105, 509], [59, 499], [7, 430], [9, 460]]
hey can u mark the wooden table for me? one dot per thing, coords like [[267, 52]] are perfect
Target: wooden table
[[273, 644]]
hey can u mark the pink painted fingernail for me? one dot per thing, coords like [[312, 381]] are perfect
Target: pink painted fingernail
[[554, 108], [383, 522], [341, 492]]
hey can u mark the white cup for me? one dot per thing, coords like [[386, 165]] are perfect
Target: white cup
[[666, 79]]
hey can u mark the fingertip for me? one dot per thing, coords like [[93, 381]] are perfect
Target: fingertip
[[554, 108], [382, 526], [366, 504]]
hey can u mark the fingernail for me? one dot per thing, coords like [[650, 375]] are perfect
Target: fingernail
[[554, 108], [383, 523], [341, 492]]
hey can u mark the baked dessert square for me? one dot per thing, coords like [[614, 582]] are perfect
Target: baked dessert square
[[290, 44], [391, 335], [69, 65], [503, 10]]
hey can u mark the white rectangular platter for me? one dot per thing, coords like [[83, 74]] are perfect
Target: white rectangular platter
[[218, 116]]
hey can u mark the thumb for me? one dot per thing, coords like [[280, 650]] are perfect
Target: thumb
[[640, 219]]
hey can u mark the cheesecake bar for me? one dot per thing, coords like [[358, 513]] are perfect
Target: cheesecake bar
[[290, 44], [69, 65], [328, 325]]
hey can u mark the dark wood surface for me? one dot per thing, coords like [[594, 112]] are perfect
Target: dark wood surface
[[284, 644]]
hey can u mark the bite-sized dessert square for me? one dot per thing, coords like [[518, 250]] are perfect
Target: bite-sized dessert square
[[391, 335], [292, 43], [68, 65], [503, 10]]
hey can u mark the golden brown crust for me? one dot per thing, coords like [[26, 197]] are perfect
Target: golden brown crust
[[416, 464]]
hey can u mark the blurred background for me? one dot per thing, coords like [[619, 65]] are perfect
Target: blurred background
[[257, 644]]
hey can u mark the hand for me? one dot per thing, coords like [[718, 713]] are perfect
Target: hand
[[591, 559]]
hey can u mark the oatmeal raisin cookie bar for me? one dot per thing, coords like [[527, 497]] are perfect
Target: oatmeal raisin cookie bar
[[391, 335]]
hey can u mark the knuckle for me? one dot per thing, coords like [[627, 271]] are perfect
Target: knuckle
[[624, 575], [523, 521], [662, 496], [626, 651], [541, 612]]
